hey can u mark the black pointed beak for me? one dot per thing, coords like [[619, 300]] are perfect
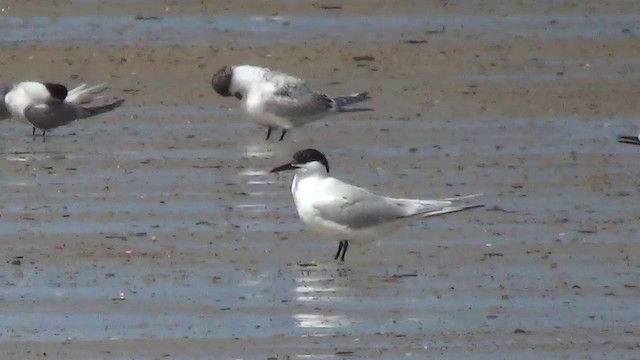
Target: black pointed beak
[[633, 140], [284, 167], [238, 95]]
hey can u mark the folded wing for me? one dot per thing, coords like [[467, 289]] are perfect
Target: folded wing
[[358, 208], [298, 103], [56, 113], [52, 114]]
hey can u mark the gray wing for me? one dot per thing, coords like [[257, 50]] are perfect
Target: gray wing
[[280, 79], [358, 208], [56, 113], [4, 113], [297, 101], [52, 114]]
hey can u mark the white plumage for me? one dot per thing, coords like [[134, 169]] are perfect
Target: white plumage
[[277, 100], [46, 105], [341, 211]]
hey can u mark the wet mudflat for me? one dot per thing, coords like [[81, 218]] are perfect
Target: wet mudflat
[[155, 231]]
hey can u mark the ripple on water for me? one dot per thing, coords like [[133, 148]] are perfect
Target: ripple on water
[[258, 30], [223, 261]]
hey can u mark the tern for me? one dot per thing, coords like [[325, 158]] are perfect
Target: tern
[[341, 211], [48, 105], [277, 100], [633, 140], [4, 113]]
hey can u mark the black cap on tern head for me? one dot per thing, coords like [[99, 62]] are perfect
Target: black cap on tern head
[[303, 157], [310, 155], [57, 91], [221, 81]]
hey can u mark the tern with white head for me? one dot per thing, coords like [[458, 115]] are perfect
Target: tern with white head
[[277, 100], [47, 105], [345, 212]]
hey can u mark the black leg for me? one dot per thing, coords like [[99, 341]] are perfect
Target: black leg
[[33, 133], [269, 132], [344, 250], [339, 250], [342, 247], [43, 132], [284, 131]]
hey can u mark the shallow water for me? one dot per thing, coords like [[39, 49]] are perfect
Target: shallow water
[[160, 225], [184, 224], [253, 30]]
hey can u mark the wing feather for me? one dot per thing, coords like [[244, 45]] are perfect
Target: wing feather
[[358, 208], [294, 106], [52, 114]]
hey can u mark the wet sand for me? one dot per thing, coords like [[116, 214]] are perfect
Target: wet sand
[[155, 231]]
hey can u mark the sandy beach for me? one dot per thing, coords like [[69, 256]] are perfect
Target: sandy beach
[[156, 232]]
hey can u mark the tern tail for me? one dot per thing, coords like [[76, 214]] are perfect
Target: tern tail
[[97, 110], [464, 197], [427, 208], [82, 95], [343, 101], [633, 140], [451, 209], [451, 205]]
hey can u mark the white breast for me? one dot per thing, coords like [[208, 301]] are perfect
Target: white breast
[[306, 193], [304, 198], [255, 106], [23, 95]]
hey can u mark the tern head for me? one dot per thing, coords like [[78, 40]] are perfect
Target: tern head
[[308, 161], [633, 140], [222, 81], [57, 91]]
